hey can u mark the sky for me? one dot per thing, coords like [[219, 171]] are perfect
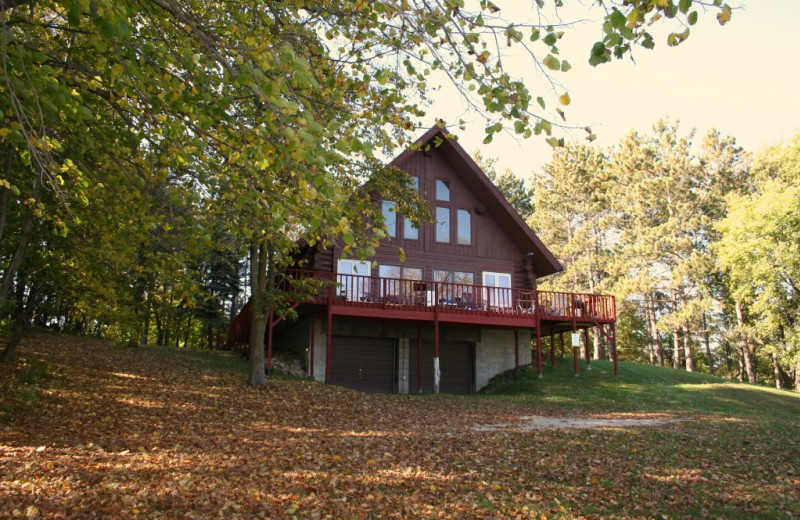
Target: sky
[[742, 79]]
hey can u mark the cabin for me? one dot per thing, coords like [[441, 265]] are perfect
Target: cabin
[[463, 306]]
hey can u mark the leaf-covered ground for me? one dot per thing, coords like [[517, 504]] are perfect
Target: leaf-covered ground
[[160, 433]]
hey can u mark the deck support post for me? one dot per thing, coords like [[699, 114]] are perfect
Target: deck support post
[[552, 349], [516, 353], [270, 325], [575, 349], [586, 352], [419, 359], [436, 371], [538, 348]]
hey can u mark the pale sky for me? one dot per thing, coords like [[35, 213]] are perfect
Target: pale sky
[[742, 79]]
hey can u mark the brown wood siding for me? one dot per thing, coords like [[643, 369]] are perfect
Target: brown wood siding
[[456, 362], [491, 249], [365, 364]]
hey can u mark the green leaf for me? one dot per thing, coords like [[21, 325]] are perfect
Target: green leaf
[[692, 18], [599, 54], [551, 62], [685, 5]]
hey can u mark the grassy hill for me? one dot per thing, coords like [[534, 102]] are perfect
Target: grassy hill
[[644, 388], [92, 430]]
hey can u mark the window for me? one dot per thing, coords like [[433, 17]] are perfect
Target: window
[[446, 275], [498, 289], [410, 230], [388, 209], [443, 191], [455, 288], [442, 224], [464, 223], [398, 282], [397, 271], [352, 280]]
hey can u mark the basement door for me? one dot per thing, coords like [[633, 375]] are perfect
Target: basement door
[[456, 362], [365, 364]]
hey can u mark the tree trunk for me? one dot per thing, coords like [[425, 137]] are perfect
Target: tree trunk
[[146, 330], [676, 349], [728, 360], [749, 361], [777, 367], [17, 332], [653, 323], [22, 244], [599, 346], [651, 346], [158, 315], [707, 343], [9, 152], [187, 337], [22, 318], [687, 347], [258, 321], [797, 375]]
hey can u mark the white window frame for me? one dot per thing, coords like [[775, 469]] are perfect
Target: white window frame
[[499, 296], [353, 288]]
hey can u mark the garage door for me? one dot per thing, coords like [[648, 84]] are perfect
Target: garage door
[[455, 364], [365, 364]]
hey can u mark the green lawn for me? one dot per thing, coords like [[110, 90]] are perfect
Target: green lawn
[[643, 389]]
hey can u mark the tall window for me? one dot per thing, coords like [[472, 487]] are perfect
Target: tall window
[[464, 225], [443, 191], [410, 230], [390, 217], [442, 224]]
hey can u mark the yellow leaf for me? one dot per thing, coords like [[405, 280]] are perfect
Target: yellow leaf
[[564, 99], [725, 16]]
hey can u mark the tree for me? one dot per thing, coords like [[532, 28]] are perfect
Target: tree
[[573, 216], [282, 99], [760, 252]]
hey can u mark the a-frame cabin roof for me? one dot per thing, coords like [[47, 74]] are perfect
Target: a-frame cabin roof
[[544, 263]]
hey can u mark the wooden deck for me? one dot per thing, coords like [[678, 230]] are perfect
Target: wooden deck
[[546, 313], [421, 300]]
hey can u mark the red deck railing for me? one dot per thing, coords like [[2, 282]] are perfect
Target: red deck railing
[[405, 297], [404, 294]]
